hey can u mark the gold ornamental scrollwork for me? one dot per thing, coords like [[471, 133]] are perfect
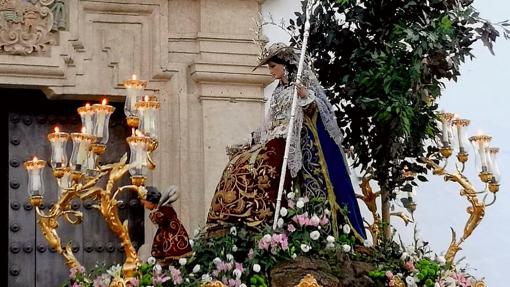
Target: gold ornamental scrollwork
[[26, 27], [308, 281]]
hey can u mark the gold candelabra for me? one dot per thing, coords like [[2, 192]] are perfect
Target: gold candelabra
[[79, 176], [486, 163], [451, 138]]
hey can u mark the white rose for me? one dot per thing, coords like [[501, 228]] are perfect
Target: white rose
[[330, 245], [237, 273], [256, 268], [206, 278], [196, 269], [314, 235], [216, 260], [315, 220], [151, 260], [280, 222], [367, 243], [441, 260], [305, 247], [346, 229], [404, 256], [233, 230], [293, 255], [191, 242], [283, 211], [230, 257], [330, 239], [242, 285], [300, 203], [234, 248], [291, 195], [266, 237], [346, 248], [410, 281], [157, 268], [183, 261]]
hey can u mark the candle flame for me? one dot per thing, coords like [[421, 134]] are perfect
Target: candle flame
[[104, 102], [133, 77], [57, 130], [35, 159], [83, 130], [479, 132], [138, 133], [146, 98], [456, 116], [87, 105]]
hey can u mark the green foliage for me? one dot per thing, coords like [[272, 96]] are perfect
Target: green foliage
[[383, 64]]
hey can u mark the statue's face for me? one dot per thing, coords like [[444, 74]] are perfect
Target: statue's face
[[276, 70]]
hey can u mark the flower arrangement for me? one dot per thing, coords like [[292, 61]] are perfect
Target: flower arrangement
[[244, 257]]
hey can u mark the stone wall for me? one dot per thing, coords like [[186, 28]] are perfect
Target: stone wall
[[197, 54]]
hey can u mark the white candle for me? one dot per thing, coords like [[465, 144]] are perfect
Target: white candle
[[489, 159], [483, 158], [88, 122], [460, 135], [59, 151], [82, 153], [445, 132], [100, 123], [36, 180]]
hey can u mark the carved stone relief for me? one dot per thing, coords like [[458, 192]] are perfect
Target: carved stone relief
[[27, 26]]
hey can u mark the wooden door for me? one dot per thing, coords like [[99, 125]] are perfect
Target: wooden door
[[30, 261]]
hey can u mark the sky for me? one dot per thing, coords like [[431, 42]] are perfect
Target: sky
[[481, 95]]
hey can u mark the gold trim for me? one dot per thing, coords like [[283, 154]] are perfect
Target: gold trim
[[329, 186], [133, 122], [461, 122], [37, 164], [147, 105], [83, 137], [60, 135], [308, 281], [477, 138], [103, 108], [136, 84]]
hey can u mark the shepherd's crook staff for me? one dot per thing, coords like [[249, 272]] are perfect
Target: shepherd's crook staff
[[309, 5]]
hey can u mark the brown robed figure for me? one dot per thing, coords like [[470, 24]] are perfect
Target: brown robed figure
[[171, 241]]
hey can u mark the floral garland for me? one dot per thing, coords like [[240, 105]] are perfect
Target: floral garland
[[243, 258]]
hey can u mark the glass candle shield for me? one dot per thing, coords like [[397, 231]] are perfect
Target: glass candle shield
[[102, 113], [480, 143], [134, 92], [461, 141], [138, 146], [58, 141], [446, 128], [148, 111], [494, 167], [87, 118], [81, 147], [35, 169]]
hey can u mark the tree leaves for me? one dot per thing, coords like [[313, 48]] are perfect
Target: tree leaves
[[386, 61]]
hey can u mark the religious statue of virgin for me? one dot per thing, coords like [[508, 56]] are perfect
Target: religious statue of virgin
[[247, 189]]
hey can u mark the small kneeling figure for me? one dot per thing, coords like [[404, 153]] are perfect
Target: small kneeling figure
[[171, 241]]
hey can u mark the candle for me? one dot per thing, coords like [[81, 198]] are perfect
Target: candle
[[82, 150], [36, 177], [100, 119], [58, 146], [445, 132], [87, 113], [483, 158]]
